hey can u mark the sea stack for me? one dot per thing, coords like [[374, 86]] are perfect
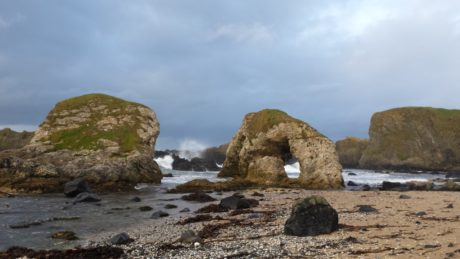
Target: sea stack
[[105, 140], [10, 139], [269, 138], [414, 138], [350, 151]]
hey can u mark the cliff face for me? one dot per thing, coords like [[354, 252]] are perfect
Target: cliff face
[[106, 140], [350, 151], [414, 138], [268, 138], [10, 139]]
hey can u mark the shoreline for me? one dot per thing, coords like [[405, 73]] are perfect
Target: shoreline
[[395, 230]]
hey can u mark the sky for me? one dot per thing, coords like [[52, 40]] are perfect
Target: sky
[[201, 65]]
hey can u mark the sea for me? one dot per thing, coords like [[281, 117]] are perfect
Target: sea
[[46, 214]]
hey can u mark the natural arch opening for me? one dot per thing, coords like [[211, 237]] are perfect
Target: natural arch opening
[[292, 167]]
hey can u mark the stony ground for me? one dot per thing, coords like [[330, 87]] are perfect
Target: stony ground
[[423, 225]]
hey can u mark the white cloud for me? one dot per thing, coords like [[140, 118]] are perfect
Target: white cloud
[[6, 23], [249, 33]]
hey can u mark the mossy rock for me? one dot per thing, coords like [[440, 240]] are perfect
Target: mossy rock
[[414, 138], [10, 139], [80, 123], [262, 121], [350, 151]]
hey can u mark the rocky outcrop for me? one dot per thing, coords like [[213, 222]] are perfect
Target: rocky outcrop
[[269, 138], [350, 151], [10, 139], [107, 141], [414, 138]]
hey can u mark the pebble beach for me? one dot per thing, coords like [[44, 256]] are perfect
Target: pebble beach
[[413, 224]]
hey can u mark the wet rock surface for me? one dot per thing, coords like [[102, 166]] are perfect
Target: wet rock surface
[[75, 187], [86, 197], [198, 197]]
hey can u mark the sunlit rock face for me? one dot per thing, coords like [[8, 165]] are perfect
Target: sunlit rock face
[[269, 138], [414, 138], [105, 140]]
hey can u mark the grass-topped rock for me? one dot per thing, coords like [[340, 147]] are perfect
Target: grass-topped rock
[[10, 139], [350, 151], [269, 138], [414, 138], [105, 140]]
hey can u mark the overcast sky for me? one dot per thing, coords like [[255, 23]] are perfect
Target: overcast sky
[[202, 65]]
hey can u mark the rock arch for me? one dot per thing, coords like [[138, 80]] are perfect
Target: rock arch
[[267, 138]]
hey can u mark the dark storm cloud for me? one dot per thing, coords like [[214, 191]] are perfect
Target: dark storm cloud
[[202, 65]]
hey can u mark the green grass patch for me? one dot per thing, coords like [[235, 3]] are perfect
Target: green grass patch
[[264, 120]]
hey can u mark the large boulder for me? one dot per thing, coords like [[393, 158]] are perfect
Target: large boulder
[[107, 141], [350, 151], [10, 139], [414, 138], [310, 217], [269, 138]]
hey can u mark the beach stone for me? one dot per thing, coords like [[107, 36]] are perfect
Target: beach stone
[[237, 202], [136, 199], [351, 183], [311, 216], [269, 138], [159, 214], [86, 197], [184, 210], [145, 208], [352, 174], [189, 236], [66, 235], [170, 206], [366, 187], [258, 194], [168, 175], [420, 214], [75, 187], [120, 239], [404, 196], [198, 197], [366, 209], [450, 206], [390, 186]]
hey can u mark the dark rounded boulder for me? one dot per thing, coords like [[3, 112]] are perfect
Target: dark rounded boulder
[[238, 202], [310, 217], [75, 187], [198, 197], [121, 239]]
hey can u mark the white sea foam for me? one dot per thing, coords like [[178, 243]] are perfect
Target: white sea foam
[[165, 162], [190, 148], [292, 168]]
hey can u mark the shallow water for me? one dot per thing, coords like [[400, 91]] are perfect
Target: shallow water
[[116, 211]]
